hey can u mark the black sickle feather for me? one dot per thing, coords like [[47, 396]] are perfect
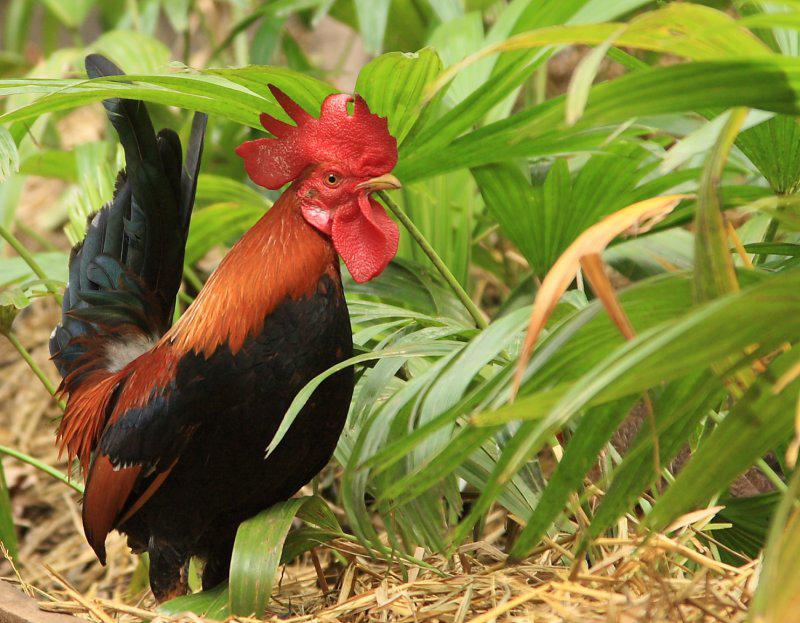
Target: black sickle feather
[[154, 209], [134, 247], [191, 169]]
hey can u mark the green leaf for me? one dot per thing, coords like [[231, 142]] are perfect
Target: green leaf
[[393, 85], [442, 395], [444, 209], [446, 10], [372, 18], [543, 220], [15, 270], [583, 341], [584, 75], [177, 12], [776, 598], [702, 139], [95, 186], [667, 351], [645, 256], [256, 556], [8, 534], [582, 450], [773, 248], [219, 223], [11, 301], [760, 420], [774, 148], [769, 83], [71, 13], [714, 273], [455, 40], [683, 29], [218, 189], [258, 543], [509, 197], [50, 163], [750, 520], [134, 52], [9, 157], [677, 409], [306, 90], [550, 13], [417, 350], [413, 286], [461, 444], [212, 604], [237, 94], [16, 23], [321, 526]]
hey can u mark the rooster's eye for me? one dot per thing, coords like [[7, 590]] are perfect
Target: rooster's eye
[[331, 179]]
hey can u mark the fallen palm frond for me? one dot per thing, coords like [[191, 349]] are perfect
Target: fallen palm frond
[[585, 252]]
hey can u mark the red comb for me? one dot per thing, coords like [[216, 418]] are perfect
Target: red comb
[[360, 143]]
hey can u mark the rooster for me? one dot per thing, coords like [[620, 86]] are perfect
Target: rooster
[[170, 422]]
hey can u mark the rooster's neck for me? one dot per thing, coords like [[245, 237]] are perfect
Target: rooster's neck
[[280, 257]]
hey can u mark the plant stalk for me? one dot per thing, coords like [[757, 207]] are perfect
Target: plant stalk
[[714, 273], [35, 367], [448, 276], [191, 276], [762, 465], [769, 236], [11, 239], [43, 467]]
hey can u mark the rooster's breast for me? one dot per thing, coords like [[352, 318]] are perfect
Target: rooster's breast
[[242, 398]]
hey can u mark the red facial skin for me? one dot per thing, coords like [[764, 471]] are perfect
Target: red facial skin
[[362, 233], [323, 192]]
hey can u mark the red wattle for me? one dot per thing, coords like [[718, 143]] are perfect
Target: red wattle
[[365, 237]]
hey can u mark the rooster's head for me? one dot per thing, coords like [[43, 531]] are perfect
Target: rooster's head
[[338, 160]]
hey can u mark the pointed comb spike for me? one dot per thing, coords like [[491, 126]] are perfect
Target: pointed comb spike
[[274, 126], [292, 108]]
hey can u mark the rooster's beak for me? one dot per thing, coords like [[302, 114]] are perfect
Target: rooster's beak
[[382, 182]]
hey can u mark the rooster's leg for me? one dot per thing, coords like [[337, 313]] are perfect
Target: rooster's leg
[[218, 561], [168, 569]]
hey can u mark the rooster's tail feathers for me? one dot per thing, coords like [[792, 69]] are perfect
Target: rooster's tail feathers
[[125, 274]]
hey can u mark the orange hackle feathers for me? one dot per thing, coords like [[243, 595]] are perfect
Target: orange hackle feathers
[[230, 307]]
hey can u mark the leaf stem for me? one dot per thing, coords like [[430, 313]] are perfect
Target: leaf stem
[[43, 467], [770, 473], [714, 274], [11, 239], [769, 236], [8, 532], [35, 367], [448, 276], [192, 277]]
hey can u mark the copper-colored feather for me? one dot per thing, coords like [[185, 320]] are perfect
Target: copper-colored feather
[[107, 491]]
